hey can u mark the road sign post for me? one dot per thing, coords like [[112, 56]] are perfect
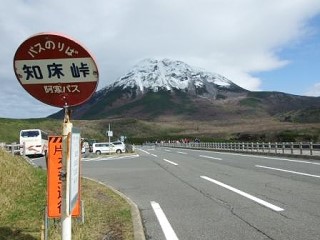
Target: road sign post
[[66, 216], [60, 72], [110, 134]]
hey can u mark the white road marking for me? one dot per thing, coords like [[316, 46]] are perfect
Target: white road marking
[[173, 163], [253, 198], [143, 151], [164, 223], [272, 158], [288, 171], [204, 156], [154, 155], [290, 160], [97, 159], [167, 150], [182, 152]]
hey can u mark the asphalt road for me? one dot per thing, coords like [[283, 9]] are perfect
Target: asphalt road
[[188, 194]]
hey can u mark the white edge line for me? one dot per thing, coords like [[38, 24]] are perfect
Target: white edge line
[[164, 223], [291, 160], [253, 198], [204, 156], [173, 163], [288, 171], [143, 151], [182, 152], [272, 158], [97, 159]]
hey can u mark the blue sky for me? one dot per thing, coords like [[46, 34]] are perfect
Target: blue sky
[[302, 73], [270, 45]]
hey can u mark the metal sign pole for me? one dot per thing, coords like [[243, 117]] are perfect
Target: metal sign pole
[[66, 215], [109, 140]]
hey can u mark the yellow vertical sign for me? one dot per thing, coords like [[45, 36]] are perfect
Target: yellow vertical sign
[[54, 181]]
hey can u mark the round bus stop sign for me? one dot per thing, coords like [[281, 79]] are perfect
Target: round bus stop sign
[[56, 70]]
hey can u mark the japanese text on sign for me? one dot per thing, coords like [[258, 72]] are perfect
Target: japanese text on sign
[[61, 89], [55, 70], [59, 70], [51, 45], [54, 176], [54, 185]]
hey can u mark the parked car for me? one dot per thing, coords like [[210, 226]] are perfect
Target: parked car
[[120, 145], [105, 147], [90, 142]]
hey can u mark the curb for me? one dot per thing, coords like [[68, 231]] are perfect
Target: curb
[[138, 231]]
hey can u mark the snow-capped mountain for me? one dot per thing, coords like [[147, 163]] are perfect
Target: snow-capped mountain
[[169, 89], [154, 75]]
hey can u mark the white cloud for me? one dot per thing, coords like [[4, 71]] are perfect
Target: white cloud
[[314, 91], [231, 37]]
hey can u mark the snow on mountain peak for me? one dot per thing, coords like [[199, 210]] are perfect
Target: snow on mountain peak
[[167, 74]]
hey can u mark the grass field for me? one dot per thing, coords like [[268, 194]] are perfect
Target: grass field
[[23, 199], [138, 131]]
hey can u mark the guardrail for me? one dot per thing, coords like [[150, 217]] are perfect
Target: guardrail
[[13, 148], [289, 148]]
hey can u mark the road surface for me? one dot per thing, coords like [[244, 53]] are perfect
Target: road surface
[[189, 194]]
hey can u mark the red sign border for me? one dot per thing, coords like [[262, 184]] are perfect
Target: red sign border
[[58, 100]]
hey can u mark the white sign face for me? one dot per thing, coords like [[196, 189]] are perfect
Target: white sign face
[[74, 168], [110, 134], [56, 71]]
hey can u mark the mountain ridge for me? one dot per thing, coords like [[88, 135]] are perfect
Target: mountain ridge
[[164, 88]]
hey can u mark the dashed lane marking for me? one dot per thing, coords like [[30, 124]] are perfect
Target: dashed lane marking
[[173, 163], [249, 196]]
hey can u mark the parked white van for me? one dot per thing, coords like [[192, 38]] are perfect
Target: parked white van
[[105, 147], [120, 145]]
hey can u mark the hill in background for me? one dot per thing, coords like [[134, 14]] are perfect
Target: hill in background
[[170, 99], [164, 89]]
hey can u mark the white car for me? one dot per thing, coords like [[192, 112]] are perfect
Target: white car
[[120, 145], [105, 147]]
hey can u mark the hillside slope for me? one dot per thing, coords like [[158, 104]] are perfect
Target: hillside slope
[[22, 199]]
